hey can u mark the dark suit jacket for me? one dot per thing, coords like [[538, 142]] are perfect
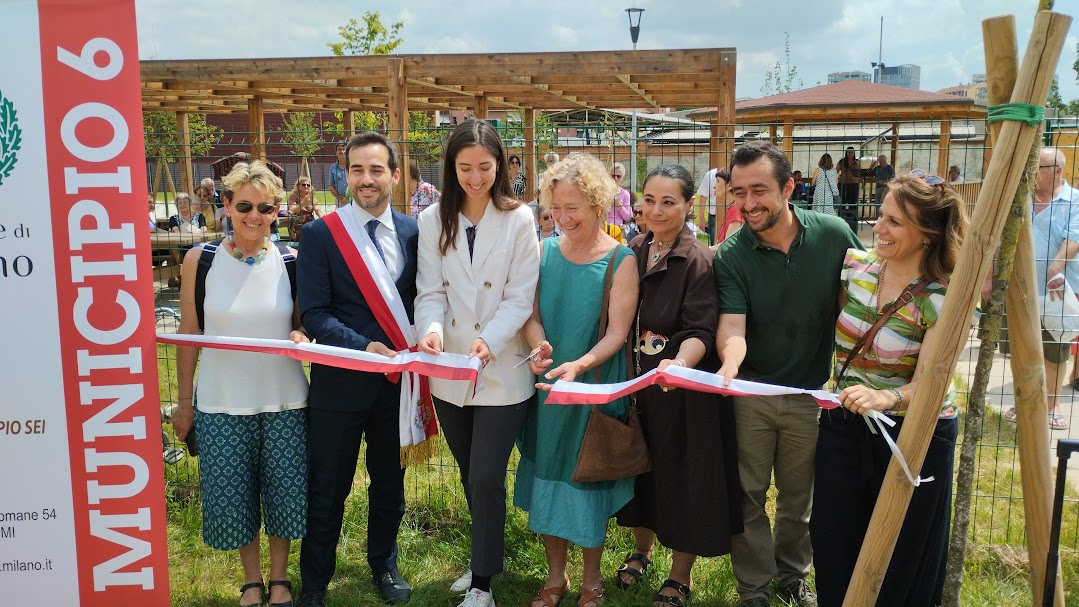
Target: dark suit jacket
[[335, 313]]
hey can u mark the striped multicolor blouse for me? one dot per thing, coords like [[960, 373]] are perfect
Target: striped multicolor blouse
[[888, 362]]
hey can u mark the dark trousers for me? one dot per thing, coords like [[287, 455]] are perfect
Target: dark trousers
[[712, 229], [334, 448], [850, 468], [481, 440], [848, 194]]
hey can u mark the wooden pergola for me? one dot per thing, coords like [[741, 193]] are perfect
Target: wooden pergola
[[856, 102], [397, 84]]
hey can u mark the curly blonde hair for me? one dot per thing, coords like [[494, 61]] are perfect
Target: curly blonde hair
[[257, 174], [588, 174]]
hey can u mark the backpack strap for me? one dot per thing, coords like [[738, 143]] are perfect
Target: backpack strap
[[289, 258], [206, 259]]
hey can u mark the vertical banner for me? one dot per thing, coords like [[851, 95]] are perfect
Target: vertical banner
[[82, 509]]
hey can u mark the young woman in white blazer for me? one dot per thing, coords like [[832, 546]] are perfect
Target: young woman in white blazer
[[476, 281]]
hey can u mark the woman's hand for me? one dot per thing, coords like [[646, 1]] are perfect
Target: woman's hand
[[479, 349], [542, 359], [565, 372], [183, 419], [431, 344], [663, 364], [860, 399], [299, 337]]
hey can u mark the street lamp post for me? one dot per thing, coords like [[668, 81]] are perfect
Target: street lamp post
[[634, 15]]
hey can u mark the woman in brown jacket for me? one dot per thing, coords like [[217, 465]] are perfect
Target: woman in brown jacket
[[690, 500]]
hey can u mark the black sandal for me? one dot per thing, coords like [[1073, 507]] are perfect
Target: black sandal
[[635, 573], [673, 601], [288, 586], [262, 593]]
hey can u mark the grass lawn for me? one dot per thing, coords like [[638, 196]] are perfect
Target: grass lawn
[[434, 547]]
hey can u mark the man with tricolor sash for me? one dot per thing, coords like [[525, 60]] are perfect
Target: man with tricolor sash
[[356, 283]]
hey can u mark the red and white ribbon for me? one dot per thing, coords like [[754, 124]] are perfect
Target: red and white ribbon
[[576, 393], [442, 366]]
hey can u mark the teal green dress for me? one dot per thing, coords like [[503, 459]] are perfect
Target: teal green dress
[[570, 296]]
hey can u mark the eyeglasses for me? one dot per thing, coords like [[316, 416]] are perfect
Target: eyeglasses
[[264, 208], [617, 176], [1047, 166]]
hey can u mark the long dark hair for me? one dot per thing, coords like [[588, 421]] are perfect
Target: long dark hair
[[467, 134]]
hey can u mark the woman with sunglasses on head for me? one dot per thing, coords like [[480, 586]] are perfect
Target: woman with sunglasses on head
[[249, 408], [691, 500], [301, 204], [477, 272], [517, 178], [889, 307], [621, 211]]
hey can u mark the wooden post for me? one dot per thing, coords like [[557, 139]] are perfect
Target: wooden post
[[945, 147], [481, 107], [529, 167], [398, 112], [773, 133], [788, 138], [183, 128], [350, 124], [256, 128], [723, 130], [1001, 183], [895, 144]]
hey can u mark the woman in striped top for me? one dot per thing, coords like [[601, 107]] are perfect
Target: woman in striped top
[[919, 230]]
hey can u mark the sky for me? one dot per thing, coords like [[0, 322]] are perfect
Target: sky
[[942, 36]]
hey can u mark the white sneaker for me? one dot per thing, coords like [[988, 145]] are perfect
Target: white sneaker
[[478, 598], [463, 583]]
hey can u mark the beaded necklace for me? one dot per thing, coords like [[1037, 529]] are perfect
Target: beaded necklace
[[236, 253]]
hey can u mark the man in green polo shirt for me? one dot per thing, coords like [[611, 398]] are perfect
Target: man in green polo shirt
[[778, 284]]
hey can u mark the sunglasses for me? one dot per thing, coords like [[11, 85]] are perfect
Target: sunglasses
[[617, 176], [637, 213], [265, 208], [546, 217], [305, 185], [515, 162]]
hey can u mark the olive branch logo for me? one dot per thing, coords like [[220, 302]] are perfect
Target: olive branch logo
[[10, 137]]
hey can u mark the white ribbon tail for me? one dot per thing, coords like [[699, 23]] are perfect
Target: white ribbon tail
[[873, 416]]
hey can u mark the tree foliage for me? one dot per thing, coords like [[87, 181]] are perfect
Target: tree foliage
[[512, 131], [424, 138], [368, 38], [300, 134], [163, 138], [782, 78], [1054, 100]]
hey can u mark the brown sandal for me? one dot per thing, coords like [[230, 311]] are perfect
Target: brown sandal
[[551, 596], [591, 595]]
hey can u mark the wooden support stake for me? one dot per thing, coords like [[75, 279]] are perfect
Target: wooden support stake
[[350, 124], [1001, 183], [723, 130], [529, 154], [481, 107], [788, 138], [398, 106], [183, 128], [895, 144]]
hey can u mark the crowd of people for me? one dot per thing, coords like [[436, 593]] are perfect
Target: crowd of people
[[556, 291]]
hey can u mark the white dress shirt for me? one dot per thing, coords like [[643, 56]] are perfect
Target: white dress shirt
[[386, 233]]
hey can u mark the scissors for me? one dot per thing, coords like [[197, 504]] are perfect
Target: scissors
[[531, 356]]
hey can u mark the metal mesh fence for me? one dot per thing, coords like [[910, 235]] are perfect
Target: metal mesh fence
[[997, 507]]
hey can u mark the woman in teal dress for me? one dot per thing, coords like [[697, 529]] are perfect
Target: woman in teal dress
[[565, 329]]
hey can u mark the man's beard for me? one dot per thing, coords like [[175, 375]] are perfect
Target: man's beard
[[383, 196], [770, 220]]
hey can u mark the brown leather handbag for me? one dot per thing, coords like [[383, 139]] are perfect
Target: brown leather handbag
[[611, 449]]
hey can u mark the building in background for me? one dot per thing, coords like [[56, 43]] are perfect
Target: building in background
[[907, 76], [835, 77]]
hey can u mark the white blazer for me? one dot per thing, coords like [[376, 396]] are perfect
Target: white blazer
[[489, 296]]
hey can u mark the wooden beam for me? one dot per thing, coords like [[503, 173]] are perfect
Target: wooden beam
[[183, 127], [255, 126], [636, 89], [398, 115], [944, 147], [529, 118], [547, 89], [895, 144]]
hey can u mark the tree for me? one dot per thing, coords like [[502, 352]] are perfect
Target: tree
[[371, 38], [512, 132], [424, 138], [300, 135], [1054, 101], [782, 79], [164, 142]]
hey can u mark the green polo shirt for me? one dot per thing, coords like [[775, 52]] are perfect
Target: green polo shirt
[[790, 300]]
